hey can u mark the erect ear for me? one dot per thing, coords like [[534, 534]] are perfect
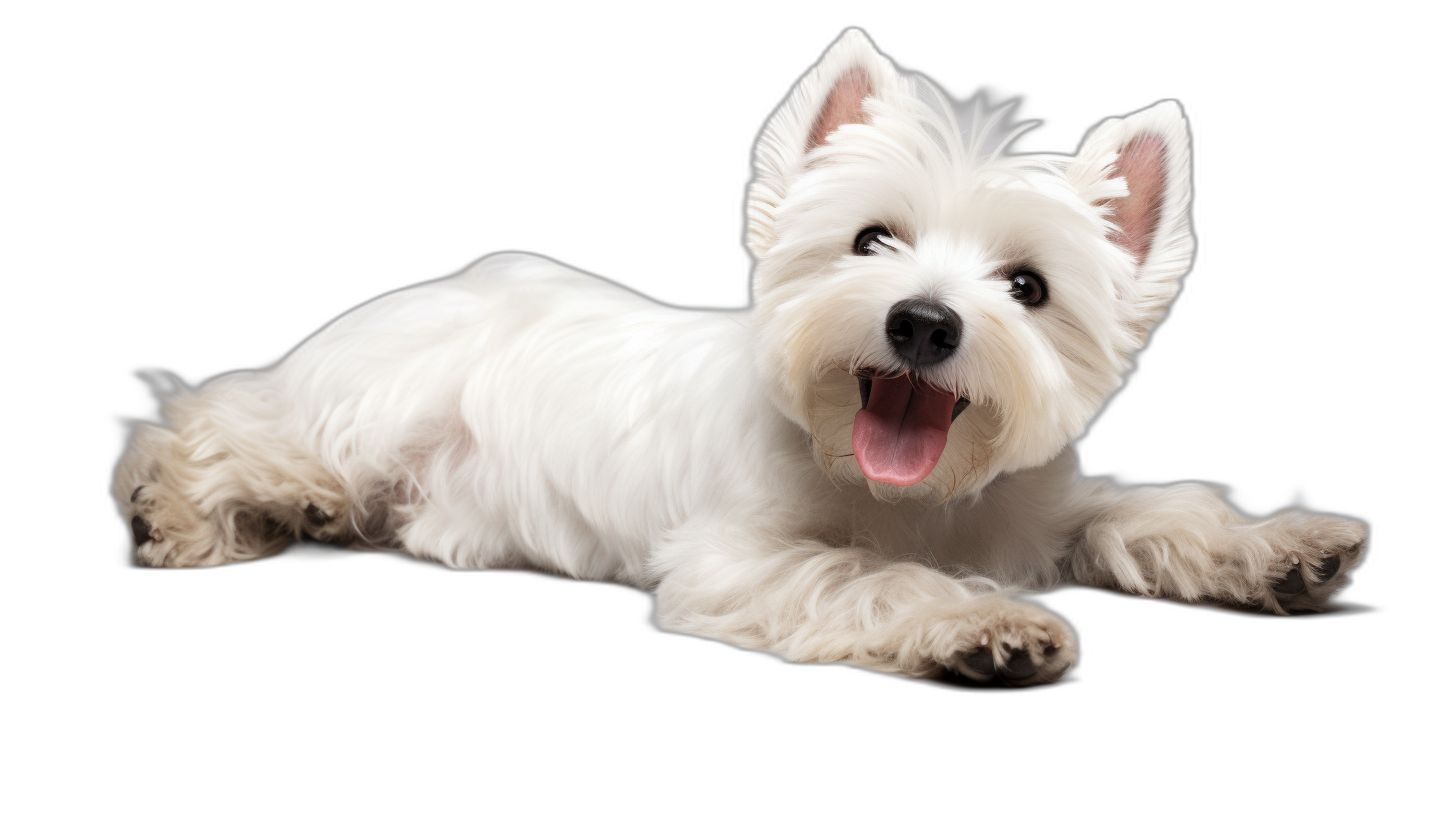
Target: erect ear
[[831, 95], [1137, 170]]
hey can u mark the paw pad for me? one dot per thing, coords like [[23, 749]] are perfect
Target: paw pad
[[1321, 571], [315, 516], [1292, 584], [980, 662], [1018, 666], [141, 531], [1326, 568], [980, 666]]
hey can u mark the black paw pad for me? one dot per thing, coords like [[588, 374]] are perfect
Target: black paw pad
[[315, 516], [1325, 568], [1292, 584], [141, 531], [981, 662], [1018, 666]]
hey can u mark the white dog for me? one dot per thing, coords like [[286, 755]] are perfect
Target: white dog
[[856, 468]]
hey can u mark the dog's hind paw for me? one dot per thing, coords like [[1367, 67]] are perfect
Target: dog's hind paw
[[141, 529], [168, 531], [163, 530]]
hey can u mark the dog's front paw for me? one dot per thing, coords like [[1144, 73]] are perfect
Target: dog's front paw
[[1015, 644], [1315, 556]]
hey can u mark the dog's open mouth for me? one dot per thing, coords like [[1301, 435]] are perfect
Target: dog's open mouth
[[902, 427]]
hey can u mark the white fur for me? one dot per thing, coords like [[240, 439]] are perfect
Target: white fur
[[523, 413]]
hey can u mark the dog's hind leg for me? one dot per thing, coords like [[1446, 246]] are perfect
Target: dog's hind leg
[[1185, 541], [224, 478], [810, 601]]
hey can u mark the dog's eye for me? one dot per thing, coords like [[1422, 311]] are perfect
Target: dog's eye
[[870, 240], [1028, 287]]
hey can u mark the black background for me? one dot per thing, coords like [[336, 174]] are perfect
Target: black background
[[267, 175]]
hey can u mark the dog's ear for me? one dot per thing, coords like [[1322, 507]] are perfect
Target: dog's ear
[[831, 95], [1136, 169]]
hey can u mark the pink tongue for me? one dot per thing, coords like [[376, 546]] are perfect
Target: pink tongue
[[900, 434]]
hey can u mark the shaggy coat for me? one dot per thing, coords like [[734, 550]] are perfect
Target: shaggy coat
[[798, 476]]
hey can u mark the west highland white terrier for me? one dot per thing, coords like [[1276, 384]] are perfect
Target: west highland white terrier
[[860, 467]]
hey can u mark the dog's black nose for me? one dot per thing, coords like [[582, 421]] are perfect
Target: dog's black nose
[[922, 332]]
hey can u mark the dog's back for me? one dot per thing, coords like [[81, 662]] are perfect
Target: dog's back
[[517, 413]]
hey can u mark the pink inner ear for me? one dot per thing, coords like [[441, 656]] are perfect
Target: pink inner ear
[[844, 106], [1143, 164]]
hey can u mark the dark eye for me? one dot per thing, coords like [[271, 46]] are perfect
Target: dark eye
[[1028, 287], [869, 240]]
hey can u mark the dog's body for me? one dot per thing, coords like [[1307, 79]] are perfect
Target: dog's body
[[809, 476]]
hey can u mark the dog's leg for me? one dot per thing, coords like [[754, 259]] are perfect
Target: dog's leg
[[1186, 542], [224, 479], [812, 602]]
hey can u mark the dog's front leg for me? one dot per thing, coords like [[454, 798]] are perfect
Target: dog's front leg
[[1185, 541], [810, 601]]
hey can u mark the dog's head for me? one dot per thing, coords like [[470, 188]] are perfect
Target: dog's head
[[933, 309]]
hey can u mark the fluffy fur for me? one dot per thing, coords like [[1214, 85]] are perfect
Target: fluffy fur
[[521, 413]]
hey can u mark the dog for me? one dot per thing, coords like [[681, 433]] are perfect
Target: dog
[[864, 466]]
